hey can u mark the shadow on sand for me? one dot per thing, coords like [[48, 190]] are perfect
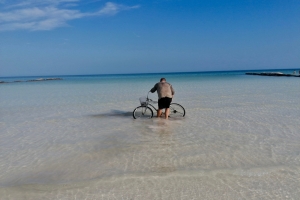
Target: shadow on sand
[[114, 113]]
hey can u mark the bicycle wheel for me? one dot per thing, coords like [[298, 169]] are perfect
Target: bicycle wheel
[[142, 112], [176, 110]]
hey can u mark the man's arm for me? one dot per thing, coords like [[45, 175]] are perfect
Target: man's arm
[[172, 90], [154, 88]]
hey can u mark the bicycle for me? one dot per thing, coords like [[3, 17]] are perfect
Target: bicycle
[[145, 109]]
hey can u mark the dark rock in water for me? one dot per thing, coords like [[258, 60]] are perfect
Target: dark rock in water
[[2, 82], [50, 79], [17, 81], [39, 79]]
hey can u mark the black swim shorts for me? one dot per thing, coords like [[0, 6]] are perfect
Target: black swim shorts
[[164, 102]]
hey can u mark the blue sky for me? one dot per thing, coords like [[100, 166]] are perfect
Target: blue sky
[[70, 37]]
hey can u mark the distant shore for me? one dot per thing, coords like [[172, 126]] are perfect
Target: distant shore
[[272, 74], [32, 80]]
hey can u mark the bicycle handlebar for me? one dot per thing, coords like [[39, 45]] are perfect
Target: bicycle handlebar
[[150, 100], [148, 95]]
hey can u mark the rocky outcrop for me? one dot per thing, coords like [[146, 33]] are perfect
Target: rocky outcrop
[[271, 74]]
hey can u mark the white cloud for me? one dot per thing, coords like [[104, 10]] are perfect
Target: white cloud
[[34, 15], [112, 9], [32, 3]]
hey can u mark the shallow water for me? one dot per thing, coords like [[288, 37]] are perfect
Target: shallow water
[[76, 139]]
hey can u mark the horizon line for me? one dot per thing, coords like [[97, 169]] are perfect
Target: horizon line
[[145, 73]]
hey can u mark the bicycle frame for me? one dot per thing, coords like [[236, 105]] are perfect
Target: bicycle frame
[[148, 103]]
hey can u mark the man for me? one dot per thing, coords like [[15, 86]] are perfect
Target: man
[[165, 93]]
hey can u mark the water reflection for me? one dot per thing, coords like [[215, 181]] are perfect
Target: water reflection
[[165, 143]]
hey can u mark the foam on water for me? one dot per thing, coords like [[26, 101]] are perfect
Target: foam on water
[[76, 138]]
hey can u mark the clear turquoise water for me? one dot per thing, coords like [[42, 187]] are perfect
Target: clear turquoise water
[[76, 138]]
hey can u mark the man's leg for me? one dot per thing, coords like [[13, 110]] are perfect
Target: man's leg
[[167, 112], [159, 111]]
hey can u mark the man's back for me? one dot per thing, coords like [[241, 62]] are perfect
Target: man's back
[[165, 93], [164, 89]]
